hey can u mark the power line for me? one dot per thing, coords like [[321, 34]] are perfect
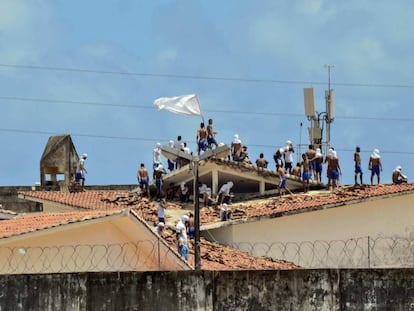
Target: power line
[[154, 140], [199, 77], [60, 101]]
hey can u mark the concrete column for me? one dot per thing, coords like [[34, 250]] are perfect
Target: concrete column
[[214, 181], [262, 187]]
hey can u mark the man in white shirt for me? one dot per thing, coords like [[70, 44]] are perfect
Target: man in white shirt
[[81, 170], [288, 154], [224, 193], [205, 192], [156, 157]]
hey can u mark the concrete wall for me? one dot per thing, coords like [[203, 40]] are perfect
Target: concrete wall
[[388, 217], [212, 290], [10, 201]]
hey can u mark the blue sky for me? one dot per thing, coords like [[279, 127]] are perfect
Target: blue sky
[[92, 69]]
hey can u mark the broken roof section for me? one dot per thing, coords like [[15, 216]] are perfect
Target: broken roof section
[[59, 158], [246, 178], [214, 256]]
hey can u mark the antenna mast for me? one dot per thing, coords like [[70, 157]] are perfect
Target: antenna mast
[[318, 120]]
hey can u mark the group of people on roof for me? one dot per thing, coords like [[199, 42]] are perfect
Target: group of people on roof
[[312, 162], [309, 168], [375, 166]]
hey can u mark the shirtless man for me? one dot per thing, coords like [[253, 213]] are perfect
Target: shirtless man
[[306, 166], [398, 177], [211, 134], [297, 170], [201, 138], [328, 161], [358, 169], [236, 147], [310, 154], [318, 164], [158, 178], [143, 179], [261, 162], [191, 227], [282, 181], [335, 169], [375, 165]]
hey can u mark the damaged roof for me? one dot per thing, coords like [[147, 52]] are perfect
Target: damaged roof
[[274, 206]]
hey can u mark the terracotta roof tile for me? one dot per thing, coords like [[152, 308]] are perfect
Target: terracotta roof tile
[[26, 223], [214, 256], [101, 200], [277, 206], [274, 206]]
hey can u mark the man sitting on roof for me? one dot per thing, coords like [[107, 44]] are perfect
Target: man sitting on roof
[[398, 177], [225, 213]]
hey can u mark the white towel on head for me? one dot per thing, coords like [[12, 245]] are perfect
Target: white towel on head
[[375, 154], [318, 152]]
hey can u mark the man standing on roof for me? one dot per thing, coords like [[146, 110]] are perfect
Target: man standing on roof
[[236, 147], [181, 234], [306, 166], [358, 169], [398, 177], [318, 164], [201, 139], [161, 209], [156, 157], [81, 170], [310, 154], [328, 158], [143, 179], [179, 145], [375, 165], [211, 134], [333, 163], [261, 162], [160, 171], [282, 180], [171, 163], [278, 158], [288, 154]]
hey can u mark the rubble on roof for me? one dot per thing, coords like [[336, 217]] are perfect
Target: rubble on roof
[[215, 256]]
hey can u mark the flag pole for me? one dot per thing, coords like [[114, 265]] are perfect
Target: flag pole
[[199, 106]]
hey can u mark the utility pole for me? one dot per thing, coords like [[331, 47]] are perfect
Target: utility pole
[[173, 153], [329, 107]]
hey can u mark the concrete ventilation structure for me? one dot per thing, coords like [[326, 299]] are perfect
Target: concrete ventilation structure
[[58, 158]]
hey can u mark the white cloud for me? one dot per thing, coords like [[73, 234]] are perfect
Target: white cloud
[[309, 6], [167, 55], [25, 30]]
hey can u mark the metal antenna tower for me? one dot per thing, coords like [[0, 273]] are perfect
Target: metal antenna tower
[[318, 120]]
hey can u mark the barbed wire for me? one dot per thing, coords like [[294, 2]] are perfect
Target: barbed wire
[[152, 255], [145, 255], [363, 252]]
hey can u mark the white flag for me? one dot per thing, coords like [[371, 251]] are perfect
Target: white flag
[[186, 104]]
